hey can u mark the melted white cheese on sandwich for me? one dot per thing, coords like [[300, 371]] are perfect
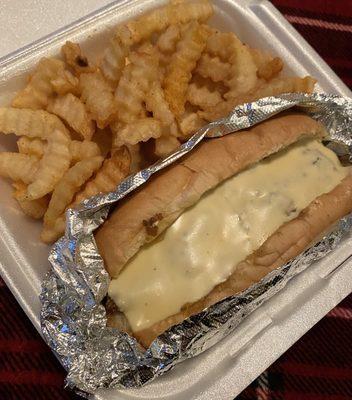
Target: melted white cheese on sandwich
[[204, 245]]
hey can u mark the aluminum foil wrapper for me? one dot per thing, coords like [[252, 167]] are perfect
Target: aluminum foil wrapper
[[73, 318]]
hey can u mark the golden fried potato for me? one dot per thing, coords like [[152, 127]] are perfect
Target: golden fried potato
[[166, 44], [32, 208], [39, 89], [55, 162], [138, 131], [182, 63], [30, 123], [112, 172], [52, 233], [106, 179], [73, 56], [243, 73], [31, 147], [271, 69], [114, 60], [140, 29], [275, 87], [268, 67], [68, 186], [18, 167], [189, 123], [202, 96], [135, 83], [167, 40], [165, 145], [71, 109], [98, 97], [65, 83], [159, 19], [219, 44], [213, 68], [157, 104], [82, 150], [79, 150]]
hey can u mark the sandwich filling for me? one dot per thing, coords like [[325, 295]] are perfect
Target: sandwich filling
[[203, 246]]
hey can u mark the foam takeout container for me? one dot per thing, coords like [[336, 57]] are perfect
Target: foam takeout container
[[227, 368]]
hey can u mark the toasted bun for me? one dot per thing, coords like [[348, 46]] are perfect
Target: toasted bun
[[287, 242], [150, 210]]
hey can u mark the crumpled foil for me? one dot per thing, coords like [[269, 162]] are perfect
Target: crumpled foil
[[74, 320]]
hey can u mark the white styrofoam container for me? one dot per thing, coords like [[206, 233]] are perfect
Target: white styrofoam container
[[226, 369]]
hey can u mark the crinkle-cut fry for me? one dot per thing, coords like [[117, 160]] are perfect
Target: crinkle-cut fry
[[114, 60], [271, 69], [166, 45], [268, 67], [159, 19], [111, 173], [213, 68], [31, 147], [55, 162], [157, 104], [202, 96], [33, 208], [135, 83], [65, 83], [243, 75], [165, 145], [18, 167], [79, 150], [128, 98], [82, 150], [275, 87], [30, 123], [50, 234], [189, 123], [39, 89], [74, 57], [182, 63], [71, 109], [68, 186], [98, 96], [138, 131], [260, 57], [140, 29], [168, 39], [218, 45]]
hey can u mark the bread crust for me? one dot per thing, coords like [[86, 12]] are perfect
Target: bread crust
[[150, 210], [291, 239]]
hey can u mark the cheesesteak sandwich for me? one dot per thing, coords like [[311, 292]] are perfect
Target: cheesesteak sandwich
[[219, 220]]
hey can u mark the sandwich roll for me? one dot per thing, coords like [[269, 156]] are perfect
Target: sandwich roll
[[149, 211], [287, 242], [235, 208]]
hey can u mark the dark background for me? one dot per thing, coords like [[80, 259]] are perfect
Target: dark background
[[317, 367]]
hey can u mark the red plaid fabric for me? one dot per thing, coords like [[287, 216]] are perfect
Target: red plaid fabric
[[317, 367]]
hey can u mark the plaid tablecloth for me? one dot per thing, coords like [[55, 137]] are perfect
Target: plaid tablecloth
[[317, 367]]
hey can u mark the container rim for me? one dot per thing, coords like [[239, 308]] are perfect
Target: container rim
[[59, 34]]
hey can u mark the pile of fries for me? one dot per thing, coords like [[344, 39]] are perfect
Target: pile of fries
[[83, 128]]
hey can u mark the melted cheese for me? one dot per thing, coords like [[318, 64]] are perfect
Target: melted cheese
[[204, 245]]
